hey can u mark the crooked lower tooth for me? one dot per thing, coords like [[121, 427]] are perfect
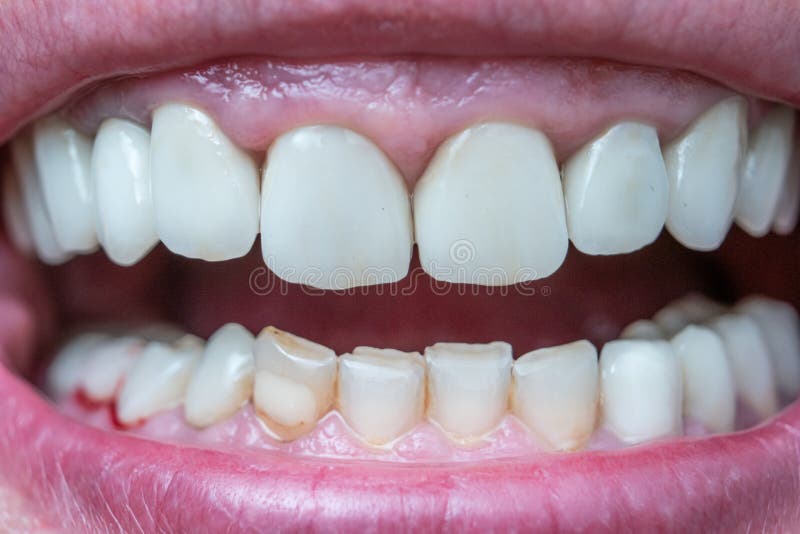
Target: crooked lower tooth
[[108, 366], [616, 191], [14, 216], [205, 188], [555, 393], [468, 386], [750, 362], [223, 379], [66, 372], [703, 166], [158, 379], [642, 329], [294, 382], [641, 390], [489, 209], [63, 159], [765, 170], [709, 394], [381, 392], [121, 174], [788, 210], [689, 309], [335, 212]]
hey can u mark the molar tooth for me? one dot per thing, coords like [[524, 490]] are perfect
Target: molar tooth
[[63, 159], [640, 382], [158, 379], [709, 394], [642, 329], [335, 212], [108, 366], [205, 188], [14, 216], [765, 171], [703, 166], [294, 382], [223, 380], [468, 386], [616, 191], [121, 174], [750, 362], [495, 188], [65, 373], [381, 392], [555, 393]]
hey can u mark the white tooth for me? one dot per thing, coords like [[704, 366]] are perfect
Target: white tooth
[[788, 209], [468, 386], [205, 188], [640, 381], [14, 216], [691, 308], [65, 373], [642, 329], [616, 191], [750, 362], [107, 367], [381, 392], [335, 212], [555, 393], [703, 166], [63, 158], [158, 380], [223, 380], [121, 175], [294, 384], [765, 171], [489, 209], [709, 394], [780, 327], [44, 240]]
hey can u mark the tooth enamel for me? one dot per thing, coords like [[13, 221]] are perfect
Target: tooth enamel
[[641, 395], [335, 213], [63, 159], [158, 379], [468, 386], [14, 216], [65, 373], [765, 171], [691, 308], [489, 209], [205, 188], [750, 362], [780, 327], [223, 379], [642, 329], [44, 240], [107, 367], [121, 175], [616, 191], [703, 166], [381, 392], [788, 209], [294, 384], [709, 394], [555, 393]]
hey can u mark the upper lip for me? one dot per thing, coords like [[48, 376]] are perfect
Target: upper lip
[[53, 48]]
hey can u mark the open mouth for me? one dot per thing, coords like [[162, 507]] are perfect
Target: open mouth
[[397, 274]]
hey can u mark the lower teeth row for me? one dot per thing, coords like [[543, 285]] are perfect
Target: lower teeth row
[[693, 364]]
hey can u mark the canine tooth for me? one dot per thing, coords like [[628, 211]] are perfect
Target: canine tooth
[[381, 392], [335, 213], [121, 174], [468, 386], [65, 373], [709, 394], [489, 209], [205, 188], [63, 159], [692, 308], [616, 191], [703, 166], [555, 393], [780, 327], [640, 381], [44, 240], [750, 362], [158, 379], [642, 329], [765, 171], [108, 366], [788, 210], [223, 379], [14, 216], [294, 384]]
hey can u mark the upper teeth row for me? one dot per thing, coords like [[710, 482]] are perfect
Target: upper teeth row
[[492, 206], [643, 387]]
